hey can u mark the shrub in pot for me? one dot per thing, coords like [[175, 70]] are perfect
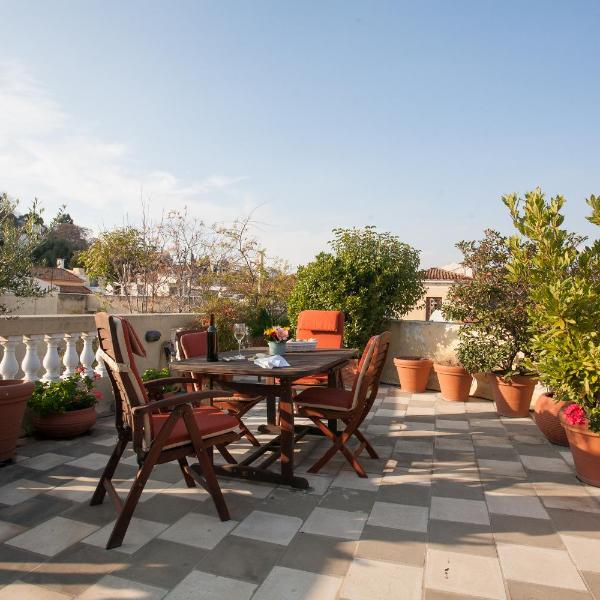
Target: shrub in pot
[[494, 336], [565, 315], [159, 391], [455, 381], [413, 373], [64, 408]]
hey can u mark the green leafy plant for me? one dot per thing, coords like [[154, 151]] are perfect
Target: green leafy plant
[[370, 276], [152, 374], [495, 335], [565, 293], [65, 395]]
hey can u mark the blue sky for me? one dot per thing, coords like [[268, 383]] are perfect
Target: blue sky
[[411, 116]]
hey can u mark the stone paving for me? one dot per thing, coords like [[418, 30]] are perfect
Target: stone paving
[[461, 504]]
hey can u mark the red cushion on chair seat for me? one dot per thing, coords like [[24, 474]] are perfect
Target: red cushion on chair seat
[[211, 422], [328, 398], [319, 379]]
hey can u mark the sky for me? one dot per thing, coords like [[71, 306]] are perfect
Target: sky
[[414, 117]]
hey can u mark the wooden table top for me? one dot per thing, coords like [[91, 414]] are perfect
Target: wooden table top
[[302, 364]]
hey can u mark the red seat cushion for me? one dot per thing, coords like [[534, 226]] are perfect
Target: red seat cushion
[[328, 398], [319, 379], [211, 422]]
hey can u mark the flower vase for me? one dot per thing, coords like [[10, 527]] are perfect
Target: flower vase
[[276, 348]]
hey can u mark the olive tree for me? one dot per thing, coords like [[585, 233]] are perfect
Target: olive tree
[[370, 276]]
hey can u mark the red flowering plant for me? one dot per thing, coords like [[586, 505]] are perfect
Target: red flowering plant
[[277, 334], [74, 392]]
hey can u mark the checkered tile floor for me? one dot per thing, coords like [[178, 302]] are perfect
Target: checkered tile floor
[[461, 504]]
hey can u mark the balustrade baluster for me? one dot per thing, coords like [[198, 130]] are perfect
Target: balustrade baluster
[[100, 368], [9, 367], [31, 363], [71, 358], [52, 359], [87, 354]]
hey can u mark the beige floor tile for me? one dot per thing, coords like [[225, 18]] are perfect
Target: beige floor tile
[[511, 468], [584, 551], [116, 588], [244, 488], [268, 527], [464, 574], [201, 531], [350, 480], [452, 425], [93, 461], [25, 591], [319, 484], [205, 586], [399, 516], [293, 584], [335, 523], [409, 446], [458, 444], [381, 581], [459, 509], [139, 533], [543, 566], [542, 463], [567, 496], [46, 461], [515, 504], [52, 536]]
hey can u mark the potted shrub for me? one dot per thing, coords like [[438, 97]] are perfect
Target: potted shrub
[[64, 408], [413, 373], [14, 394], [565, 314], [495, 336], [455, 381]]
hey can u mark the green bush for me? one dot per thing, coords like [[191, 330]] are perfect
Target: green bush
[[370, 276], [65, 395], [495, 333], [565, 293]]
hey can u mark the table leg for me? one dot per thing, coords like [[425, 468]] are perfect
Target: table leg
[[332, 382], [286, 422]]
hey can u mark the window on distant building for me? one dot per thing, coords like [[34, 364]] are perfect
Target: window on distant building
[[432, 303]]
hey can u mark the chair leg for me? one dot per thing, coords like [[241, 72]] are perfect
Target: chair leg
[[185, 469], [109, 471], [370, 450], [248, 434]]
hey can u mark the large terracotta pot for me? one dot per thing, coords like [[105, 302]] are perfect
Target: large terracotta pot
[[455, 382], [14, 394], [513, 397], [413, 373], [546, 416], [585, 448], [65, 425]]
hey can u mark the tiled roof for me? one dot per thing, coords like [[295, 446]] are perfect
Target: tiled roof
[[74, 289], [55, 274], [442, 275]]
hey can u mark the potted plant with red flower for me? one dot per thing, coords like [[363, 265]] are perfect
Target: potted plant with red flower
[[565, 315], [64, 408]]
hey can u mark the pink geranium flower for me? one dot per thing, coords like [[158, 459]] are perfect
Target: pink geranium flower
[[97, 394], [574, 415]]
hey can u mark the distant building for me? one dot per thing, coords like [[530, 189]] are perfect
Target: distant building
[[60, 279], [438, 283]]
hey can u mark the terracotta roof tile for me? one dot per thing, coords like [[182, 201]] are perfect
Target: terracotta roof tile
[[438, 274], [55, 274], [74, 289]]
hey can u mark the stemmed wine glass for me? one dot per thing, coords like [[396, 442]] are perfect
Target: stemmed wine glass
[[239, 331]]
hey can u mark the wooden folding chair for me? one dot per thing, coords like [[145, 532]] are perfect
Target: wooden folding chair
[[193, 343], [321, 404], [161, 430]]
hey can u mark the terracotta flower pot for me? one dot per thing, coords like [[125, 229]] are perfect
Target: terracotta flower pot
[[413, 373], [455, 382], [14, 394], [585, 448], [65, 425], [512, 397], [547, 418]]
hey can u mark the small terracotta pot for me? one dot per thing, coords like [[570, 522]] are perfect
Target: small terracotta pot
[[413, 373], [14, 394], [546, 417], [513, 397], [585, 448], [65, 425], [455, 382]]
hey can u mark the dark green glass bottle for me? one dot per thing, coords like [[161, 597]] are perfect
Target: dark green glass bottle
[[212, 354]]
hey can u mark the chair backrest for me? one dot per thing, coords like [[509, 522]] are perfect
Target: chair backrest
[[118, 344], [193, 343], [370, 367], [325, 326]]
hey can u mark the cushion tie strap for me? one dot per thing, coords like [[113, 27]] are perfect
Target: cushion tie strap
[[113, 364]]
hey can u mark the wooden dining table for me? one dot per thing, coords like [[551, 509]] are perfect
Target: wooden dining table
[[247, 378]]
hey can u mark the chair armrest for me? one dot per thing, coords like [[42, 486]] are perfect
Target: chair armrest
[[169, 381], [175, 401]]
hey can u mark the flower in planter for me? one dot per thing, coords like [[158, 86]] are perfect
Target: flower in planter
[[277, 334], [574, 415], [65, 395]]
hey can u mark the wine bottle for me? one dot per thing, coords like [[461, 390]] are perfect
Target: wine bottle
[[212, 354]]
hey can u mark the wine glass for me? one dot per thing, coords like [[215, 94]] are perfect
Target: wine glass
[[239, 332]]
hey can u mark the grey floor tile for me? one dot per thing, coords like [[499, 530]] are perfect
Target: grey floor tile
[[139, 533], [198, 530], [117, 588], [268, 527], [205, 586], [294, 584], [345, 499], [528, 591], [467, 538], [524, 530], [335, 523], [286, 501], [16, 563], [392, 545]]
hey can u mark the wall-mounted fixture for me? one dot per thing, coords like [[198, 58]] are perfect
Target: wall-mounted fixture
[[152, 335]]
